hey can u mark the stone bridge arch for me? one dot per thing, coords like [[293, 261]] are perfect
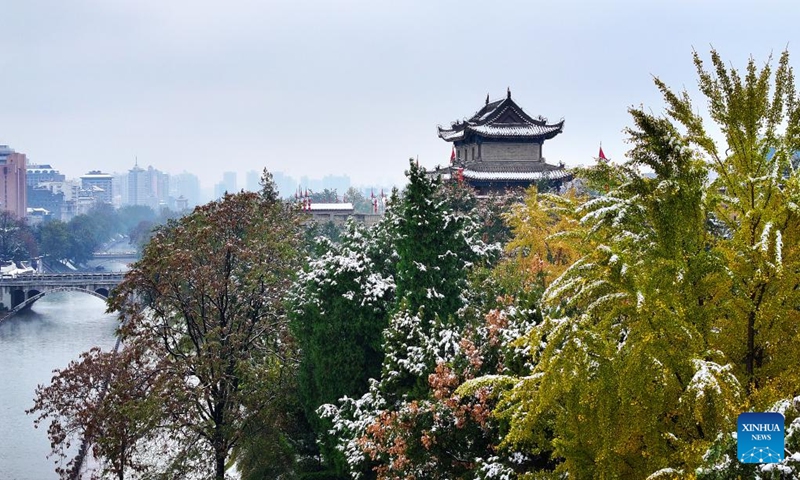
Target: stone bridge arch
[[18, 293], [33, 295]]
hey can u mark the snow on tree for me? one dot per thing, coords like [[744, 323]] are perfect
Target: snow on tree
[[675, 309], [392, 429]]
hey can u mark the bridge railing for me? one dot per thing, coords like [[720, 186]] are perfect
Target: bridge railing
[[61, 277]]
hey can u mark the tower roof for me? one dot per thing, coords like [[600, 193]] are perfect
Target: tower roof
[[501, 119]]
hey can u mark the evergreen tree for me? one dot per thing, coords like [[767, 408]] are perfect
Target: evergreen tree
[[339, 312], [432, 250]]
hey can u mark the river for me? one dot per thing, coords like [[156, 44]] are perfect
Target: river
[[32, 344]]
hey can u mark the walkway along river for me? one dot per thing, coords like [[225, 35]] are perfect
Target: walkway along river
[[33, 343]]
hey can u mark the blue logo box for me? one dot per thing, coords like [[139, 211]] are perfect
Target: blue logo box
[[760, 437]]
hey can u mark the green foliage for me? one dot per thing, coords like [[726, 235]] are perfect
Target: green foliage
[[338, 316], [361, 204], [215, 330], [78, 239], [339, 312], [54, 240], [269, 190], [675, 310], [432, 248]]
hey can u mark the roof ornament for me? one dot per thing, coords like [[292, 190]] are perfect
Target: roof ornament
[[487, 99], [509, 93]]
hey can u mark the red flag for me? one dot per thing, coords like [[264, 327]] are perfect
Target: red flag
[[602, 156], [453, 156]]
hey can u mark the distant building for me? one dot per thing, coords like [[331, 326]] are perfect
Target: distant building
[[185, 185], [13, 195], [47, 196], [40, 173], [137, 186], [228, 184], [340, 183], [37, 216], [148, 187], [287, 185], [100, 186], [252, 180], [229, 181], [500, 147], [181, 204], [338, 213]]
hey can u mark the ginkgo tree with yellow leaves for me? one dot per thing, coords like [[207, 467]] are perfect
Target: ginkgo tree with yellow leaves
[[673, 306]]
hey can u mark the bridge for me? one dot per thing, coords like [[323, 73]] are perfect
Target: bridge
[[21, 292], [130, 255]]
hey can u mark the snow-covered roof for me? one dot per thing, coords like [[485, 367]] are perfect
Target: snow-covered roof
[[500, 175], [502, 119], [41, 210], [331, 206]]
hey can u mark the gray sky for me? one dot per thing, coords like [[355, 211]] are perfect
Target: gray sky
[[352, 86]]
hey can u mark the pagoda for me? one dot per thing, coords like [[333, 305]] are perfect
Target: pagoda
[[500, 148]]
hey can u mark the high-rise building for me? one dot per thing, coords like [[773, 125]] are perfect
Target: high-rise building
[[159, 182], [99, 185], [252, 181], [148, 187], [36, 174], [229, 181], [287, 185], [137, 186], [185, 185], [13, 196], [340, 183]]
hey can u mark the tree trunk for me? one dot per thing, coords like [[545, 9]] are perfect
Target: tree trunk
[[219, 458]]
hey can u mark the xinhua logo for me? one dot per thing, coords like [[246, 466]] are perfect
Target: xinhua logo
[[760, 437]]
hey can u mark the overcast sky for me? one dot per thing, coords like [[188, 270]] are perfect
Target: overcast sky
[[343, 87]]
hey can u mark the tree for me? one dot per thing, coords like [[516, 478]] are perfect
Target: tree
[[389, 429], [107, 397], [130, 216], [208, 359], [213, 283], [339, 311], [361, 204], [676, 308], [15, 238], [85, 235], [325, 196], [54, 240], [139, 235], [269, 190]]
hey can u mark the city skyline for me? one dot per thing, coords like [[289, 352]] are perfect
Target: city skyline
[[154, 188], [348, 87]]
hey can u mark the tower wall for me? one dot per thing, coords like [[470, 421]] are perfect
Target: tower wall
[[511, 151], [501, 151]]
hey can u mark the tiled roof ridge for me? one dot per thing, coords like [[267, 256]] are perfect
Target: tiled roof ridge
[[486, 117], [506, 104]]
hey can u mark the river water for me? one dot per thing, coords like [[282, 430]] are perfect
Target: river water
[[32, 344]]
